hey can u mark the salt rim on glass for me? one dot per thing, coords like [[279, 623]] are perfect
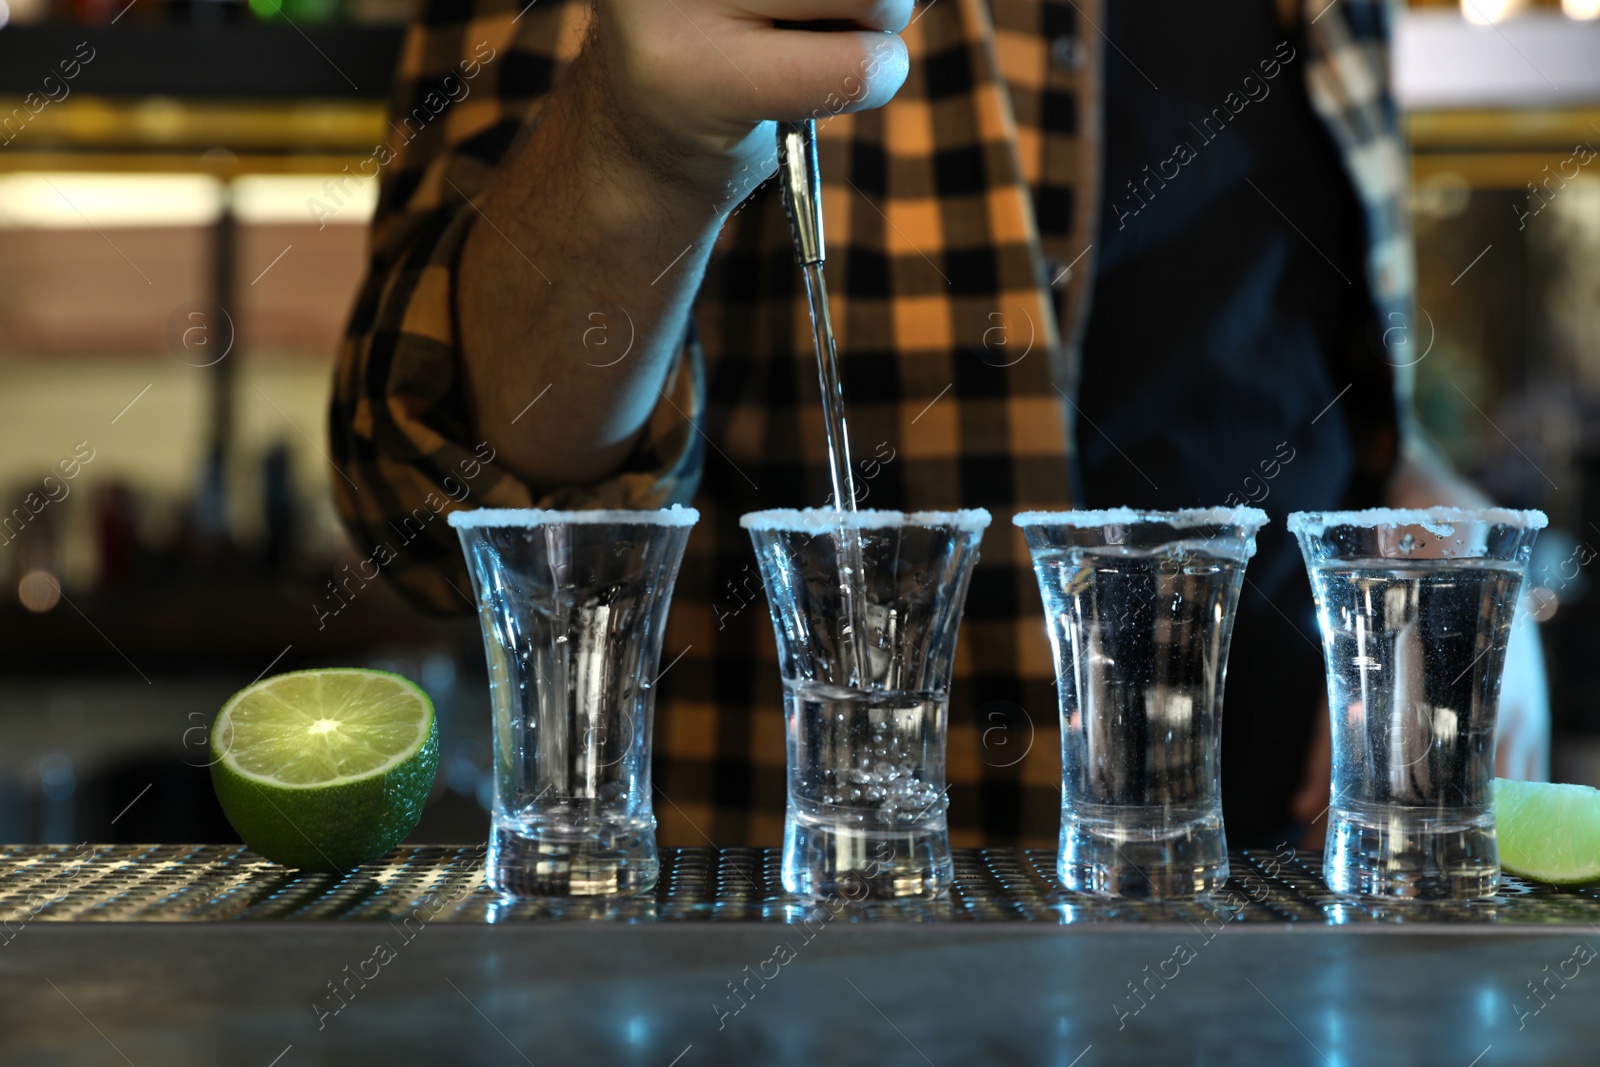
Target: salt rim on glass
[[1437, 521], [1182, 518], [827, 520], [473, 518]]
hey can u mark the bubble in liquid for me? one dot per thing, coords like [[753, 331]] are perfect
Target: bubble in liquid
[[1407, 544]]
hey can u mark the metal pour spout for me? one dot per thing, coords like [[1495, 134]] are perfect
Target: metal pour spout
[[802, 189]]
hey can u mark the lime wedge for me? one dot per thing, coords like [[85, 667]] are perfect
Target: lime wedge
[[1548, 832], [325, 769]]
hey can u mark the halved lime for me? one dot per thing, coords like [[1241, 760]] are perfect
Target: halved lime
[[1548, 832], [325, 769]]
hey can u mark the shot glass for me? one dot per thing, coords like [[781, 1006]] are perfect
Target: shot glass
[[1140, 609], [573, 605], [865, 655], [1416, 609]]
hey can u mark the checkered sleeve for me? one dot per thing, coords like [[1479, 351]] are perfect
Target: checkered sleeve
[[472, 75]]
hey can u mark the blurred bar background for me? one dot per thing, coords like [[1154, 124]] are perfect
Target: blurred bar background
[[166, 534]]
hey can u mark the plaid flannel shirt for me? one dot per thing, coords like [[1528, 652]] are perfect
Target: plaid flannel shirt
[[961, 228]]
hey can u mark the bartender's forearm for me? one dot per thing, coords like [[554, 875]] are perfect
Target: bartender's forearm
[[581, 248]]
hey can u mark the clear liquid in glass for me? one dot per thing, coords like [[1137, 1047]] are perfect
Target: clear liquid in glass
[[573, 616], [866, 762], [866, 793], [572, 775], [1140, 638], [1415, 652]]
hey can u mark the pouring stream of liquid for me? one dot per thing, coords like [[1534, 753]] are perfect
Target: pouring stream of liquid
[[852, 575], [802, 199]]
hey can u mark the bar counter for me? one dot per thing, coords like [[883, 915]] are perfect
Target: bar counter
[[209, 955]]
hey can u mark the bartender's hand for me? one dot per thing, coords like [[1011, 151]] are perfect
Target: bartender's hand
[[692, 81], [1522, 742], [605, 213]]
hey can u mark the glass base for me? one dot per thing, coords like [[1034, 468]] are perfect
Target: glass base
[[1423, 854], [859, 864], [573, 864], [1142, 854]]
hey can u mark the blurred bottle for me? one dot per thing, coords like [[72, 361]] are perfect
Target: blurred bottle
[[116, 526], [95, 12], [299, 12], [277, 505], [58, 781], [212, 535], [98, 13], [205, 13]]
